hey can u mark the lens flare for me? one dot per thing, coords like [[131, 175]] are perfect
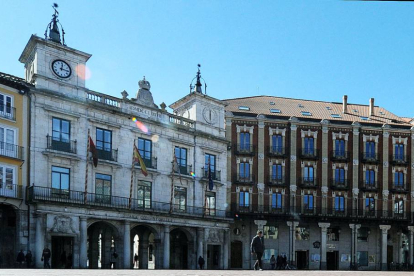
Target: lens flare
[[83, 72], [192, 174], [140, 125], [155, 138]]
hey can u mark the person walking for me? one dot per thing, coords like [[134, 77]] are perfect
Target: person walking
[[272, 262], [20, 258], [46, 257], [201, 262], [284, 262], [114, 256], [257, 247], [28, 259], [136, 260]]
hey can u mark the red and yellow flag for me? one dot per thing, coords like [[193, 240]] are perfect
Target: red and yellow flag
[[138, 159]]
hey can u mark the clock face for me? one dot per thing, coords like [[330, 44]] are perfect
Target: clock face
[[61, 68], [210, 116]]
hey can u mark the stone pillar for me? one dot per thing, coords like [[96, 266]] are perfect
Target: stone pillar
[[166, 246], [355, 167], [293, 157], [324, 229], [83, 242], [144, 248], [292, 238], [385, 157], [40, 240], [325, 155], [384, 229], [260, 167], [200, 242], [226, 249], [229, 117], [354, 241], [127, 245], [411, 229]]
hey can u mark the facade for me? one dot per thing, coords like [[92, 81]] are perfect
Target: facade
[[165, 214], [14, 136], [331, 184]]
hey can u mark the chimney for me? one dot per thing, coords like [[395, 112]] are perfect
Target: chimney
[[371, 107], [345, 104]]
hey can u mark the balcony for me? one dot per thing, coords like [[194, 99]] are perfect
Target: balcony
[[369, 186], [339, 184], [61, 145], [399, 188], [8, 112], [64, 197], [150, 163], [276, 180], [11, 150], [215, 175], [311, 154], [109, 155], [399, 159], [184, 170], [11, 190], [240, 149], [369, 157], [340, 155], [276, 151], [308, 182], [244, 179]]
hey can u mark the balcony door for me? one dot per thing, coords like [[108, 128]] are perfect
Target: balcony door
[[8, 142], [7, 181], [60, 134]]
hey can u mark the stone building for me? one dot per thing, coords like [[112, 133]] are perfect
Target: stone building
[[331, 184], [167, 214]]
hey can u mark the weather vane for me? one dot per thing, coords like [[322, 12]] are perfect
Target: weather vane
[[198, 84], [54, 33]]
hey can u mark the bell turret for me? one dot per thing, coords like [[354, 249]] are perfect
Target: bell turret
[[54, 33], [197, 88]]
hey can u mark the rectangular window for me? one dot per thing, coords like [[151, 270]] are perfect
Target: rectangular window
[[370, 178], [180, 198], [60, 178], [6, 105], [60, 130], [399, 207], [399, 179], [339, 204], [210, 160], [244, 170], [370, 149], [103, 139], [277, 172], [245, 141], [362, 258], [340, 148], [308, 202], [277, 201], [308, 174], [309, 146], [277, 144], [7, 181], [399, 152], [210, 203], [363, 234], [244, 199], [145, 149], [144, 194], [333, 234], [340, 176], [370, 204], [270, 232], [103, 183], [7, 142], [181, 155]]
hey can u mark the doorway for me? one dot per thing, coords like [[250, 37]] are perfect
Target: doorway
[[8, 250], [213, 256], [62, 252], [390, 257], [332, 260], [178, 250], [236, 254], [302, 259]]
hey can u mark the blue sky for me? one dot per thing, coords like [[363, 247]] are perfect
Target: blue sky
[[307, 49]]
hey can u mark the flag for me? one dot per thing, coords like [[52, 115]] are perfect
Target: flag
[[92, 149], [138, 159], [176, 167], [210, 178]]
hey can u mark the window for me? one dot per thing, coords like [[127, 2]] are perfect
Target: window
[[272, 103], [103, 139], [328, 108], [340, 148], [245, 141], [210, 203], [277, 201], [309, 145], [277, 172], [6, 106], [399, 152], [362, 258], [277, 144], [308, 174], [300, 106], [244, 199], [181, 155], [210, 160], [399, 206], [180, 198], [333, 234], [103, 185], [270, 232], [60, 178], [302, 233], [7, 181], [246, 108], [339, 204], [274, 110], [308, 202], [306, 113], [7, 142], [336, 116], [370, 150], [399, 179], [145, 149], [60, 130], [340, 176], [144, 194], [244, 170], [370, 204], [364, 118], [363, 234], [370, 178]]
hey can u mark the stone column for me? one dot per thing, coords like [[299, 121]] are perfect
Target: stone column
[[144, 248], [127, 245], [292, 238], [200, 241], [40, 240], [293, 157], [166, 246], [324, 229], [384, 229], [83, 242], [325, 155], [411, 229], [260, 167], [354, 241], [226, 249], [355, 167], [385, 157]]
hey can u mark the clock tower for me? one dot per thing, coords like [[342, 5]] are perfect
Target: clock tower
[[50, 64]]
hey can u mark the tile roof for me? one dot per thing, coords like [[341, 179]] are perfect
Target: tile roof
[[319, 110], [14, 81]]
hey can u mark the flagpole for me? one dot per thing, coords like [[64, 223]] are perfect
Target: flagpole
[[86, 170], [132, 177], [208, 182], [172, 183]]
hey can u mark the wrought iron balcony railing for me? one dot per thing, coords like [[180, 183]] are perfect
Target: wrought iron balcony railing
[[277, 180], [110, 155], [244, 149], [11, 190], [309, 154], [340, 155], [150, 163], [399, 159], [11, 150], [61, 144], [399, 188], [8, 112], [184, 170], [339, 184], [370, 157], [369, 185], [242, 179], [308, 182], [275, 151], [215, 175]]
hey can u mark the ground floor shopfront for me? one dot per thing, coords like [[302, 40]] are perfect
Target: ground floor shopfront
[[87, 238], [323, 245]]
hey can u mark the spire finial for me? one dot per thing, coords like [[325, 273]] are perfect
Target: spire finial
[[54, 33], [198, 85]]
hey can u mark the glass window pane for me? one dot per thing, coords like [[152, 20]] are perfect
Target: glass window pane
[[64, 184], [56, 180]]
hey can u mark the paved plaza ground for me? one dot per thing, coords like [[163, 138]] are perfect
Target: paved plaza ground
[[53, 272]]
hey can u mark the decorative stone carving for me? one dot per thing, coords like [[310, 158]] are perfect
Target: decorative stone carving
[[261, 155], [355, 192], [325, 160], [293, 188], [324, 190], [355, 162], [63, 224], [385, 193], [293, 158], [385, 228], [385, 164], [213, 236]]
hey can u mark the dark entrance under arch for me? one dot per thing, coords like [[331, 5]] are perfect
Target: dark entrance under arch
[[143, 247], [102, 242], [8, 250], [178, 249]]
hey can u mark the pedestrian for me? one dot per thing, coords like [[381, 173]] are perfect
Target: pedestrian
[[46, 257], [284, 262], [272, 262], [257, 247], [136, 260], [28, 258], [20, 258], [279, 262], [114, 256], [63, 259], [201, 262]]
